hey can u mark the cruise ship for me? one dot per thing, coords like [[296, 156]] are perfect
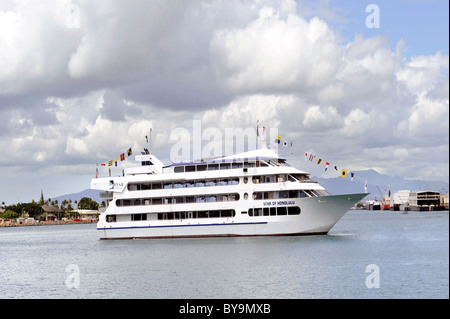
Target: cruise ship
[[255, 193]]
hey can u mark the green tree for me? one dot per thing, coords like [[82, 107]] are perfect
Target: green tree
[[87, 203], [8, 214]]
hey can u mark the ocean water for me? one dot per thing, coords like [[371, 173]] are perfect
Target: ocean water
[[368, 254]]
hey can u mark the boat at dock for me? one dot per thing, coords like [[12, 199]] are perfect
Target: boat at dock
[[254, 193]]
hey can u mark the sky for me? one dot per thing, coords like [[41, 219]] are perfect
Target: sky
[[361, 84]]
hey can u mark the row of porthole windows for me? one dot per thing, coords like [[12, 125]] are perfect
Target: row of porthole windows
[[177, 200], [274, 211]]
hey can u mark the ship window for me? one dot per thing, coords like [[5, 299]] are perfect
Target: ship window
[[190, 199], [138, 217], [179, 169], [293, 210], [213, 167], [126, 202], [110, 218], [178, 200], [293, 194], [245, 196], [146, 186], [201, 168], [199, 183], [190, 168], [177, 185], [214, 214], [273, 211], [211, 183], [189, 184], [266, 211], [156, 186], [283, 194], [168, 185], [225, 166], [281, 211], [226, 213], [133, 187], [236, 165]]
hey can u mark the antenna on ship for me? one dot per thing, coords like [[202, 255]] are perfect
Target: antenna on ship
[[149, 140]]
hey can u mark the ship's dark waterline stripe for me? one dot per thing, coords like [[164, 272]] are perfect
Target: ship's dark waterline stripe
[[191, 225]]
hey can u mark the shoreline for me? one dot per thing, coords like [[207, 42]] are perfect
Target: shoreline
[[48, 223]]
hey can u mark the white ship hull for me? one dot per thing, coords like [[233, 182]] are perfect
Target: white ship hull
[[317, 216]]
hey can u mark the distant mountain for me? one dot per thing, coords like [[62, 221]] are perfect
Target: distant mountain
[[377, 183], [90, 193]]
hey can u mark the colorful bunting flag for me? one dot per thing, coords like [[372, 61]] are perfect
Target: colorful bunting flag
[[326, 166], [122, 156], [319, 161], [344, 173], [129, 152]]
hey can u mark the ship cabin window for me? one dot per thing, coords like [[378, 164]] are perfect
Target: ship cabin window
[[225, 165], [201, 168], [236, 165], [224, 213], [110, 218], [183, 184], [146, 163], [274, 211], [189, 169], [177, 200], [286, 194], [156, 185], [178, 169], [213, 167], [138, 217]]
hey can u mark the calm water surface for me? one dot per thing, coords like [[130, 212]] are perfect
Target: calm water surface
[[410, 250]]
